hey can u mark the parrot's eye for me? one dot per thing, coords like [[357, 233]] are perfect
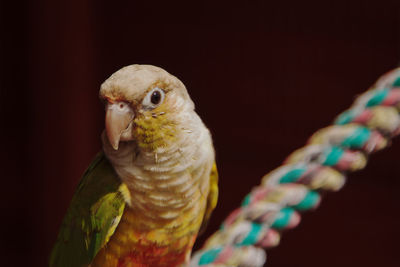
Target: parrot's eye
[[153, 98]]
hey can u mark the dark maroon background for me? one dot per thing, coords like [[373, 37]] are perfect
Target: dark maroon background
[[264, 75]]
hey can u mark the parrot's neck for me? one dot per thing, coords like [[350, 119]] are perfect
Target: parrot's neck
[[166, 181]]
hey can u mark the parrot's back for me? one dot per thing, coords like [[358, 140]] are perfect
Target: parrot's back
[[92, 216]]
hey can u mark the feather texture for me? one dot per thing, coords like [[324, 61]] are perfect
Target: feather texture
[[92, 216], [143, 201]]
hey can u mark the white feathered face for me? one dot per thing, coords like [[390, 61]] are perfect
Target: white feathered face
[[143, 104]]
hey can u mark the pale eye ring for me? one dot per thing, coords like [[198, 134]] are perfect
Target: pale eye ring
[[153, 98]]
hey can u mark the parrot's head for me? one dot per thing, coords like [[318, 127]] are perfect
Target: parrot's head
[[145, 105]]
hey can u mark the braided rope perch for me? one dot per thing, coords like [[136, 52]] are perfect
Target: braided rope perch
[[322, 164]]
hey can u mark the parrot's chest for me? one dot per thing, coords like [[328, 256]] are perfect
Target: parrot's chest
[[167, 244], [166, 188], [161, 225], [167, 195]]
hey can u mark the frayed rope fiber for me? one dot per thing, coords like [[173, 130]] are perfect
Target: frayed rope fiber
[[322, 165]]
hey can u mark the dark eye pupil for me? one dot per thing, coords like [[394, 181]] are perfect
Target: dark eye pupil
[[155, 97]]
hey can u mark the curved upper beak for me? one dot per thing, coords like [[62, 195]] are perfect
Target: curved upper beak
[[117, 121]]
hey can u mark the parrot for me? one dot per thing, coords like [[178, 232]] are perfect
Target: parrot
[[153, 186]]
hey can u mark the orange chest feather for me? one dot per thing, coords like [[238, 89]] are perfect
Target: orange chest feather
[[160, 247]]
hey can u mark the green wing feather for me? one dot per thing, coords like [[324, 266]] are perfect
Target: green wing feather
[[212, 197], [94, 213]]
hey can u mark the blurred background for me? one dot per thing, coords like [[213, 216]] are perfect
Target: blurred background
[[264, 76]]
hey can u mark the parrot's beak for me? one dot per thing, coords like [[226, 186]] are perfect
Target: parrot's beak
[[118, 122]]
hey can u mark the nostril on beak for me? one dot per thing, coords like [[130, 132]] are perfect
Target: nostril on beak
[[118, 118]]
